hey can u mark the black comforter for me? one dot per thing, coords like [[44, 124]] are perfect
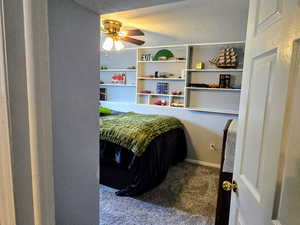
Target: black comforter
[[133, 175]]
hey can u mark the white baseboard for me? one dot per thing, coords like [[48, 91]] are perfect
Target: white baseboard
[[202, 163]]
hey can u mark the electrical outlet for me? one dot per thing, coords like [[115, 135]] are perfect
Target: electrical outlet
[[212, 147]]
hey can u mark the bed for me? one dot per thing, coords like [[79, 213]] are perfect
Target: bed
[[135, 167]]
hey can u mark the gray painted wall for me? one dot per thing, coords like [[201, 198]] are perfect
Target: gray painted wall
[[189, 22], [74, 55]]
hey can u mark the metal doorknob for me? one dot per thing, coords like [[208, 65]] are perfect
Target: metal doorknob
[[228, 186]]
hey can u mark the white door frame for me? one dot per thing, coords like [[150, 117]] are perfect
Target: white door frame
[[7, 206], [36, 45], [39, 107]]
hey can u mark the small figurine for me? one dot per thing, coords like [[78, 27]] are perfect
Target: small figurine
[[175, 104], [146, 91], [213, 85], [160, 102], [200, 65], [176, 92]]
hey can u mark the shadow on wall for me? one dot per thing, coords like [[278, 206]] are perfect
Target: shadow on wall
[[289, 203]]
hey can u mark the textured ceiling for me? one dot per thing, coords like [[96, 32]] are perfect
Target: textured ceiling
[[109, 6], [189, 21]]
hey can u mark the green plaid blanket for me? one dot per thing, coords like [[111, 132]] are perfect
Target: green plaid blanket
[[135, 131]]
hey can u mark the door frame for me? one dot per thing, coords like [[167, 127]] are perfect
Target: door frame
[[7, 206], [36, 48]]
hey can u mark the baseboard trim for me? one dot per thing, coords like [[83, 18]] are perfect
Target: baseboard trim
[[202, 163]]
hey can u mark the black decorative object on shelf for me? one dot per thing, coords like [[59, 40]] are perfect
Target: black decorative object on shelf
[[103, 95], [199, 85], [224, 80]]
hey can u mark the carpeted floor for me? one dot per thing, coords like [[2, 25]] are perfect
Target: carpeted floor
[[186, 197]]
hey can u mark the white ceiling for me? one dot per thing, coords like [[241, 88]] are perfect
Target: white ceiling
[[189, 21], [109, 6]]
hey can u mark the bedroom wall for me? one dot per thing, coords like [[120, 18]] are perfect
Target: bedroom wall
[[189, 22], [74, 55]]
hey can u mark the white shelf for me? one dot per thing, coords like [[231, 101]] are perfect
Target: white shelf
[[119, 85], [223, 111], [187, 45], [150, 78], [164, 61], [214, 89], [118, 70], [165, 106], [219, 43], [214, 70], [114, 102], [167, 95]]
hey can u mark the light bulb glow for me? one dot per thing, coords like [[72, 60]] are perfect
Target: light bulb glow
[[108, 44], [119, 45]]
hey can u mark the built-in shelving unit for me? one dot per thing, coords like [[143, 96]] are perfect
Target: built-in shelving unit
[[216, 100], [176, 82], [118, 62], [193, 98]]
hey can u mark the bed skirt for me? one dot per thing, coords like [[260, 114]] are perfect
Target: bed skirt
[[133, 175]]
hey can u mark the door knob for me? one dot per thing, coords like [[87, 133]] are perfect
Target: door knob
[[228, 186]]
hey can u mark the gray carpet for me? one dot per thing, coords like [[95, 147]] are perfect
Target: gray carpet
[[186, 197]]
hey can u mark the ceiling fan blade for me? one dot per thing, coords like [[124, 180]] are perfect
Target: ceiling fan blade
[[136, 32], [132, 40]]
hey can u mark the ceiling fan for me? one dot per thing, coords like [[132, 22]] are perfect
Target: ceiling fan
[[114, 35]]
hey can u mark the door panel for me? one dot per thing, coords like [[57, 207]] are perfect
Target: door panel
[[259, 94], [268, 12]]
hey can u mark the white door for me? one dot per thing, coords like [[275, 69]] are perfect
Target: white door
[[273, 30]]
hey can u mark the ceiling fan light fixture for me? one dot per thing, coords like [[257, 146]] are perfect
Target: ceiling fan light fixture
[[115, 36], [108, 44], [119, 45]]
